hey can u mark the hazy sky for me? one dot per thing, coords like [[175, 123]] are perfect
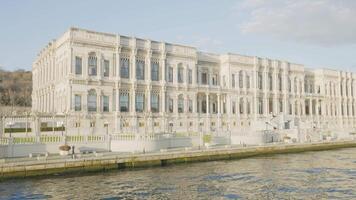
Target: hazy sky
[[317, 33]]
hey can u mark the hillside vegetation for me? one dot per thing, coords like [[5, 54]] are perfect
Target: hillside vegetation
[[15, 88]]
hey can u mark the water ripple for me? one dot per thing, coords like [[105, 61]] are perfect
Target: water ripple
[[312, 175]]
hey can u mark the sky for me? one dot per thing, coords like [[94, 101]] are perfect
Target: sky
[[316, 33]]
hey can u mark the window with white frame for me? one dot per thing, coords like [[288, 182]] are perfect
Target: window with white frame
[[190, 106], [270, 81], [260, 80], [180, 74], [241, 106], [203, 106], [180, 104], [124, 68], [92, 64], [92, 106], [190, 76], [233, 80], [215, 79], [241, 81], [124, 102], [248, 82], [154, 71], [260, 106], [139, 102], [154, 102], [204, 78], [77, 102], [170, 74], [105, 103], [233, 107], [106, 68], [78, 65], [140, 70], [280, 83], [170, 105]]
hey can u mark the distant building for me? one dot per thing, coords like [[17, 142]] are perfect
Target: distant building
[[109, 82]]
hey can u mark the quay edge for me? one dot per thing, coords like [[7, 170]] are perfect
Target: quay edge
[[121, 162]]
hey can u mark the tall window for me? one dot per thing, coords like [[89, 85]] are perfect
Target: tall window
[[140, 70], [280, 82], [77, 102], [289, 85], [241, 81], [270, 80], [106, 68], [204, 78], [139, 102], [214, 79], [154, 102], [180, 104], [248, 107], [190, 106], [190, 76], [248, 82], [270, 105], [180, 75], [203, 106], [92, 65], [170, 74], [233, 80], [241, 105], [78, 65], [154, 71], [105, 104], [170, 105], [92, 101], [124, 102], [260, 80], [295, 85], [124, 68], [280, 105], [260, 106], [233, 107]]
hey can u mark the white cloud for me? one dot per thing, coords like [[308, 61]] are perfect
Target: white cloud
[[321, 22]]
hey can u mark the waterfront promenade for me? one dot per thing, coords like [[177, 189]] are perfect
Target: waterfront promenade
[[37, 166]]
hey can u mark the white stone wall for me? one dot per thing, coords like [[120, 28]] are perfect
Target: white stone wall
[[326, 98]]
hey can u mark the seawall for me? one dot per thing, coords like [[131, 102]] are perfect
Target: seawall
[[42, 167]]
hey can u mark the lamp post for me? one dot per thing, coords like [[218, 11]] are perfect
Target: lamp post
[[10, 124]]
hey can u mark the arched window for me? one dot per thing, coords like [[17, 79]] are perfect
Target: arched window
[[92, 106], [180, 104], [92, 64]]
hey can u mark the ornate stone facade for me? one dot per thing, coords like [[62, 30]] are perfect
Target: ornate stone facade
[[108, 82]]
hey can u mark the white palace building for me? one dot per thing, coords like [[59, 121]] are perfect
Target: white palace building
[[115, 84]]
